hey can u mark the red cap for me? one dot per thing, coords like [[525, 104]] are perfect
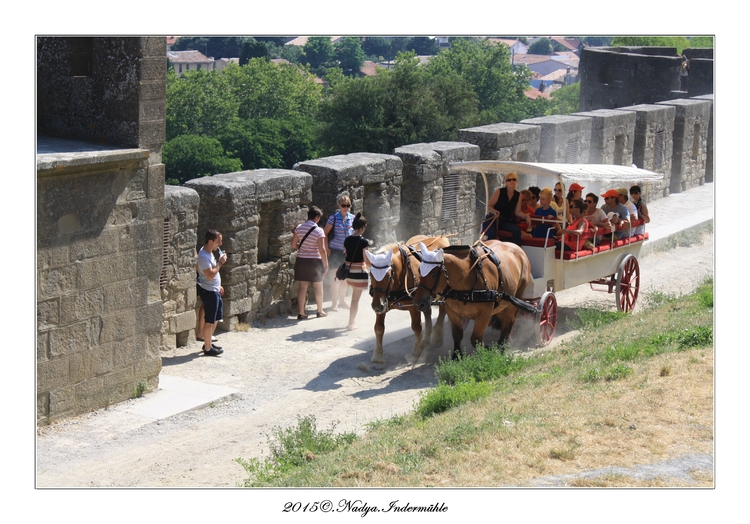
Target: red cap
[[611, 193], [576, 187]]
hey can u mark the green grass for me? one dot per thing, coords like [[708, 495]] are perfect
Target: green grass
[[407, 448]]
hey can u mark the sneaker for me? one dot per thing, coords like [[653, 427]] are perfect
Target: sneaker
[[214, 346], [213, 352]]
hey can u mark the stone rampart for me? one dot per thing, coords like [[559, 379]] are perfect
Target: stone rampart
[[372, 182], [612, 136], [689, 143], [177, 278], [433, 201], [564, 139], [255, 211], [99, 256]]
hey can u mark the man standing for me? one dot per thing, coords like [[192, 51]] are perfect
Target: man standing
[[210, 289]]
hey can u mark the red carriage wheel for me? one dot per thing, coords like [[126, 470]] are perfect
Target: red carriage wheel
[[547, 318], [628, 283]]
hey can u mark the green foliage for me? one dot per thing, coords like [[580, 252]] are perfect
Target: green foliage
[[484, 365], [590, 319], [701, 41], [423, 45], [543, 46], [705, 294], [253, 49], [565, 100], [376, 46], [678, 42], [198, 103], [615, 372], [191, 156], [445, 397], [292, 448], [349, 53], [318, 51], [400, 106]]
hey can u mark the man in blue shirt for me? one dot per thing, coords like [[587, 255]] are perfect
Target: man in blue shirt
[[621, 217]]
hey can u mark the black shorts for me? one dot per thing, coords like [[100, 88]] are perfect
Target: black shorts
[[213, 305]]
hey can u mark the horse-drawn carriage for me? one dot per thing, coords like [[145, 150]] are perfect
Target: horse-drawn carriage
[[489, 281]]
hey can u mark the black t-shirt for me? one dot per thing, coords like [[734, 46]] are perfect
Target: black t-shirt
[[354, 245]]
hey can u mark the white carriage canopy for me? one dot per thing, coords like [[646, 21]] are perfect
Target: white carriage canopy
[[596, 178]]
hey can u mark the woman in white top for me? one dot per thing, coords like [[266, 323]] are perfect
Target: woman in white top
[[312, 260]]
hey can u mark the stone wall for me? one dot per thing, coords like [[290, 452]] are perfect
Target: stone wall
[[689, 143], [433, 201], [99, 256], [709, 177], [614, 77], [372, 182], [612, 136], [177, 278], [101, 105], [255, 211], [652, 145], [564, 139]]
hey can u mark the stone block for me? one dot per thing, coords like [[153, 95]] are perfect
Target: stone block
[[148, 317], [101, 271], [57, 281], [42, 346], [81, 306], [182, 322], [69, 339], [52, 374], [119, 326], [47, 314]]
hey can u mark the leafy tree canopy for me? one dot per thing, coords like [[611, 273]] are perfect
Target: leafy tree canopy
[[349, 53], [192, 156], [318, 51], [251, 48], [423, 45], [543, 46], [565, 100]]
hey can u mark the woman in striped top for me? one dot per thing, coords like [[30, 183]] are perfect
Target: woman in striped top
[[312, 260]]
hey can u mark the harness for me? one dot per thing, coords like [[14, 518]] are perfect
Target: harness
[[485, 295], [395, 298]]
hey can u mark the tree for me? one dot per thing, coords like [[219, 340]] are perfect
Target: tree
[[487, 70], [318, 51], [543, 46], [566, 100], [253, 49], [396, 107], [423, 45], [349, 53], [191, 156], [376, 47]]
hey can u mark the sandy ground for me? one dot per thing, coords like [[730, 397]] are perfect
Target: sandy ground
[[281, 370]]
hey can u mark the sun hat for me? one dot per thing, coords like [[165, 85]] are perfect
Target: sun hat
[[576, 187], [623, 191], [611, 193]]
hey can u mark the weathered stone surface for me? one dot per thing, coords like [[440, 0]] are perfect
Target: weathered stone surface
[[564, 139]]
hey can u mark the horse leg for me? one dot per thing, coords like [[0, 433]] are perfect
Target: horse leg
[[480, 325], [458, 334], [377, 354], [427, 326], [505, 319], [436, 340], [416, 326]]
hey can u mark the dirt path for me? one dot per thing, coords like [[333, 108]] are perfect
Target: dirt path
[[282, 370]]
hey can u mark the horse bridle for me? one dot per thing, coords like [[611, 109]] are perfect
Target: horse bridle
[[392, 297]]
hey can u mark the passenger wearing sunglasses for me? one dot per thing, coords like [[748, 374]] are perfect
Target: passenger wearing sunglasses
[[621, 215], [340, 223], [502, 208]]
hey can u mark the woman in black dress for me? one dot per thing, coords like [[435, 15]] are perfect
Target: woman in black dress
[[502, 209]]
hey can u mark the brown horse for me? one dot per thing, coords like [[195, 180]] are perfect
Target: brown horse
[[394, 276], [483, 283]]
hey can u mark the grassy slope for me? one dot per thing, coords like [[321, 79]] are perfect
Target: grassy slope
[[629, 389]]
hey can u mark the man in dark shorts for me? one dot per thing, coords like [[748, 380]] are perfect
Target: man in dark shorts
[[209, 287]]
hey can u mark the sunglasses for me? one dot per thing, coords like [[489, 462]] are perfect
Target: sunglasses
[[345, 205], [589, 201], [511, 180], [558, 190]]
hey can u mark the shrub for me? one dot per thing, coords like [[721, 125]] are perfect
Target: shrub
[[445, 397]]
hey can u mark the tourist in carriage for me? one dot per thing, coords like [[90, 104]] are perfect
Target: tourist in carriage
[[502, 209], [640, 206], [595, 215], [545, 211], [624, 199], [616, 212], [578, 226], [534, 201]]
